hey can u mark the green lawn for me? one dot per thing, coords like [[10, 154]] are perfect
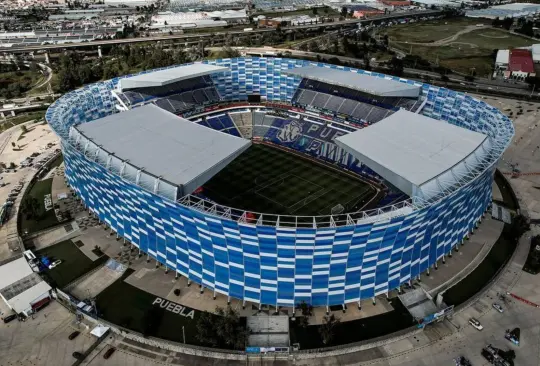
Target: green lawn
[[74, 262], [265, 179], [355, 330], [129, 307], [15, 84], [430, 31], [470, 50], [42, 219]]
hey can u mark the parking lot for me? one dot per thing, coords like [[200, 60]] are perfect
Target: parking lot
[[43, 339]]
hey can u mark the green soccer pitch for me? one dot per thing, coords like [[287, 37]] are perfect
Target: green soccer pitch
[[272, 181]]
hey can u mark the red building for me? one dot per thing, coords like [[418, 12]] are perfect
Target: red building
[[520, 64]]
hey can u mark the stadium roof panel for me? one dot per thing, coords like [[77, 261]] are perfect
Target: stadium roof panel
[[410, 150], [362, 82], [167, 146], [168, 76]]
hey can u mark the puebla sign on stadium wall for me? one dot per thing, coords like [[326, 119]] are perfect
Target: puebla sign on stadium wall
[[174, 307]]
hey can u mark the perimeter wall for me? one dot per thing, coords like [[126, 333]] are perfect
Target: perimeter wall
[[263, 264]]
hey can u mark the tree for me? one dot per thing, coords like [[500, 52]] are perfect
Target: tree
[[13, 146], [344, 11], [313, 46], [306, 309], [396, 65], [229, 52], [328, 328], [24, 129], [85, 74], [315, 11], [33, 66], [205, 330], [229, 329], [222, 330]]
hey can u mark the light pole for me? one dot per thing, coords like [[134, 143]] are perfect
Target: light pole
[[184, 334]]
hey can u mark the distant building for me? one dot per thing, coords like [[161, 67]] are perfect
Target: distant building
[[520, 64], [535, 49], [514, 10], [366, 12], [502, 60], [396, 3]]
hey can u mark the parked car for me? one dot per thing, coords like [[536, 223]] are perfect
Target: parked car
[[74, 335], [498, 307], [55, 263], [513, 335], [9, 318], [475, 323], [78, 355], [109, 353]]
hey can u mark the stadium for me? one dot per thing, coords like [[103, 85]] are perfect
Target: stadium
[[277, 181]]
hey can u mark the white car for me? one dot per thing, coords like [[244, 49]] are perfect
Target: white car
[[498, 307], [475, 323], [54, 264]]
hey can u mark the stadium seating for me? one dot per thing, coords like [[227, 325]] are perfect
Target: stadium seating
[[178, 103], [244, 123], [222, 122], [198, 90], [358, 110], [384, 102]]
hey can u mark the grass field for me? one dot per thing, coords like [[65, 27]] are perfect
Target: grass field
[[74, 262], [469, 50], [430, 31], [129, 307], [265, 179], [44, 219]]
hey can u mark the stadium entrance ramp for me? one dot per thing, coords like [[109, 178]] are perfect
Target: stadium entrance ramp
[[421, 156], [158, 150]]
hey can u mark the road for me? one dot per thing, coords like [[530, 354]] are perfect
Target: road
[[352, 22], [49, 76]]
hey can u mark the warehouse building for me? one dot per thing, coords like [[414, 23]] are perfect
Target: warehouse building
[[22, 289]]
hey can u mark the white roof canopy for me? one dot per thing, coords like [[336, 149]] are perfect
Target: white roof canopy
[[163, 145], [168, 76], [417, 154], [14, 271], [362, 82]]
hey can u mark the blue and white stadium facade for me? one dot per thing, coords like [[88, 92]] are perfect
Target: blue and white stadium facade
[[328, 262]]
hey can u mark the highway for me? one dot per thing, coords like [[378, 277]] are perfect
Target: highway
[[353, 22]]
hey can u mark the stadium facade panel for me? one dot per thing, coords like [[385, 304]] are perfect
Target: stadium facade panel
[[280, 265]]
